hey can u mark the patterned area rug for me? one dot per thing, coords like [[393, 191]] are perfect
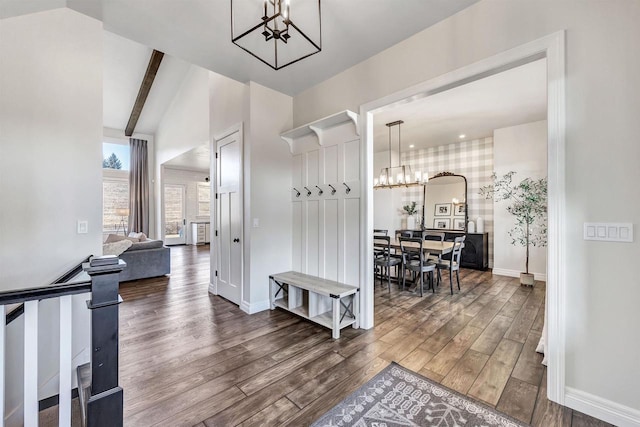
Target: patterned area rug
[[400, 397]]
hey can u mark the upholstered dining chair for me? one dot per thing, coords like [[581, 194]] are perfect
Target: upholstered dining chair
[[453, 264], [414, 260], [383, 258]]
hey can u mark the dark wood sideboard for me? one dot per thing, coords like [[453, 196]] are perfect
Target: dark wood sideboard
[[475, 253]]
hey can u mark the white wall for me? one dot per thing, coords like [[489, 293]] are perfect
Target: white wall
[[183, 127], [190, 180], [602, 153], [387, 203], [522, 149], [50, 167], [268, 185], [117, 134]]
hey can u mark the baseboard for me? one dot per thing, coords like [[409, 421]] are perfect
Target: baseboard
[[252, 308], [603, 409], [54, 400], [515, 273], [212, 289]]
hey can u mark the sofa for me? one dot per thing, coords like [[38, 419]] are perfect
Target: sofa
[[145, 258]]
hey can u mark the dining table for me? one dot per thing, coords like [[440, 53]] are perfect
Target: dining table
[[430, 247]]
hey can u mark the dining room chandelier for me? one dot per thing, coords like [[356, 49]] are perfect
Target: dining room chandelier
[[400, 175], [272, 30]]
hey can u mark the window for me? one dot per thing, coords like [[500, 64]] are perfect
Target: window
[[204, 199], [115, 156], [115, 187]]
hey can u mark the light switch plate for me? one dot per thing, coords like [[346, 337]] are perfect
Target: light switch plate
[[608, 231], [83, 227], [256, 222]]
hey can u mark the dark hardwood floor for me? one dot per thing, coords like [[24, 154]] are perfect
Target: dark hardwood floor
[[190, 358]]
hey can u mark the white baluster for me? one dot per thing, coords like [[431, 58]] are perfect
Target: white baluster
[[31, 364], [3, 316], [64, 405]]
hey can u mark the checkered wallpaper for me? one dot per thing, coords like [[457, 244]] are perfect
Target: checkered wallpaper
[[474, 160]]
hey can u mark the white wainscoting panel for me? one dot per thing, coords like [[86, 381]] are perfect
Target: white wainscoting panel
[[326, 226]]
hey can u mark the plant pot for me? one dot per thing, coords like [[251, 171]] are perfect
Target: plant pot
[[526, 279], [411, 223]]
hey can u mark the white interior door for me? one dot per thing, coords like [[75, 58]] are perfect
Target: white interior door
[[175, 228], [229, 217]]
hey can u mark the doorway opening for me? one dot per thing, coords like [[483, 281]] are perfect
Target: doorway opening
[[551, 48]]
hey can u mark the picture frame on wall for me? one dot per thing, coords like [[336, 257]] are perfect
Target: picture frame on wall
[[458, 223], [442, 223], [459, 209], [442, 209]]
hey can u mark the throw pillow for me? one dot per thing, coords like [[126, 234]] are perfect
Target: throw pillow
[[140, 236], [116, 248], [112, 238]]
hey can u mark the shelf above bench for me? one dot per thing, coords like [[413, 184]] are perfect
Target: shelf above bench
[[318, 127]]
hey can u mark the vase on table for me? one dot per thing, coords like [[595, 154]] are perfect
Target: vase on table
[[411, 222]]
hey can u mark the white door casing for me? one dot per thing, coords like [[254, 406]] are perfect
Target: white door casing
[[551, 47], [229, 217]]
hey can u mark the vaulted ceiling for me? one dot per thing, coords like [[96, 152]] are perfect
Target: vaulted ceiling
[[198, 31]]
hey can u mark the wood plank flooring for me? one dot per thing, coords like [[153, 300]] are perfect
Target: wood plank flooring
[[189, 358]]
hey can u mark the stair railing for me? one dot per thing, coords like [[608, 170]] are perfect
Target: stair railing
[[104, 404]]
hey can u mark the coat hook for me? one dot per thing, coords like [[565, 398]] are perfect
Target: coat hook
[[308, 191], [348, 189], [297, 192], [333, 190], [319, 191]]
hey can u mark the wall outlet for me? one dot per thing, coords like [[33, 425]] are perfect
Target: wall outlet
[[256, 222], [608, 231], [83, 227]]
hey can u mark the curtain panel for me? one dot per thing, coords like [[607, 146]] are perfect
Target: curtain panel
[[138, 187]]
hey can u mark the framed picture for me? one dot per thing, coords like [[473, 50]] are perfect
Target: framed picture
[[443, 209], [443, 223], [458, 223], [459, 209]]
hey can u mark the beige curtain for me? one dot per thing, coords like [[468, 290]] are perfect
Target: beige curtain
[[138, 187]]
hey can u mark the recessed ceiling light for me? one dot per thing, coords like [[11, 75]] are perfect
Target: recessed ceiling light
[[462, 135], [411, 146]]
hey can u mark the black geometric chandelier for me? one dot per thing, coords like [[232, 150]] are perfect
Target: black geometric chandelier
[[275, 32]]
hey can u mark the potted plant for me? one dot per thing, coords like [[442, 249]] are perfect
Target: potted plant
[[410, 210], [528, 200]]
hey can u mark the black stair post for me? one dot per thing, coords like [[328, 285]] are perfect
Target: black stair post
[[104, 406]]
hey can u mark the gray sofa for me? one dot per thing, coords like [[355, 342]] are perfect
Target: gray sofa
[[149, 258]]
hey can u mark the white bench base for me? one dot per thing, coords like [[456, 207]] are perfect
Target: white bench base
[[316, 299]]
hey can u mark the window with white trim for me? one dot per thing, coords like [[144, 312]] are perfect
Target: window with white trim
[[204, 199]]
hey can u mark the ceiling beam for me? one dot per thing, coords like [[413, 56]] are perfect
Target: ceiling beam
[[145, 87]]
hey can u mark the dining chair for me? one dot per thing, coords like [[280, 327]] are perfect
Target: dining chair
[[404, 233], [384, 259], [380, 231], [414, 260], [454, 263], [435, 236]]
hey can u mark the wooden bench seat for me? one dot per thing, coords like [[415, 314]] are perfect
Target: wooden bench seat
[[326, 302]]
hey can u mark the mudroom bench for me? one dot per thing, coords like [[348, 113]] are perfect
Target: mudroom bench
[[329, 303]]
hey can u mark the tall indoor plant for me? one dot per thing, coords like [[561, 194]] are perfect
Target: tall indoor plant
[[528, 204]]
